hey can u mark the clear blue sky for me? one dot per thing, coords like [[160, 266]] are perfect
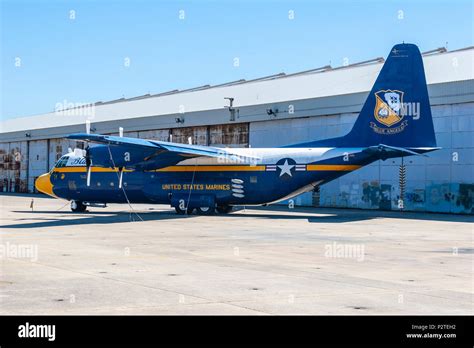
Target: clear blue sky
[[82, 59]]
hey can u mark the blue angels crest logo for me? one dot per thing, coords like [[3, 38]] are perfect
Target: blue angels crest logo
[[389, 111], [388, 107]]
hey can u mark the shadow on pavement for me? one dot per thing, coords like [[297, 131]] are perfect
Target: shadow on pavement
[[312, 215]]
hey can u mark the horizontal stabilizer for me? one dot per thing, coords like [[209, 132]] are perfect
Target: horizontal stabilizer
[[386, 151]]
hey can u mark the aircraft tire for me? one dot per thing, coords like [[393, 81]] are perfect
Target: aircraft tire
[[205, 210], [183, 211], [224, 209], [78, 207]]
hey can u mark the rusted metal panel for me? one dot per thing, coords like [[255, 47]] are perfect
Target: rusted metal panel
[[4, 164], [129, 134], [38, 161], [197, 134], [12, 160], [158, 134], [229, 135], [18, 154]]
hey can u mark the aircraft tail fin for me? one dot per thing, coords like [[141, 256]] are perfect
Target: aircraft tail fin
[[397, 111]]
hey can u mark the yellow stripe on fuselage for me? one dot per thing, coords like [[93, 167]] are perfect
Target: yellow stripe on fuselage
[[223, 168], [217, 168], [83, 170], [332, 167], [211, 168]]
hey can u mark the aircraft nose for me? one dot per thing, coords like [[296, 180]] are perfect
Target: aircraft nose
[[43, 184]]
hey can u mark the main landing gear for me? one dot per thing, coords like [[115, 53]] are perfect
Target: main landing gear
[[205, 210], [180, 211], [221, 209], [78, 207], [224, 209]]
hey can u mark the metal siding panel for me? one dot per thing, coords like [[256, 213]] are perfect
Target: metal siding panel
[[443, 139], [37, 161], [349, 118], [269, 133], [463, 123], [438, 172], [442, 124], [462, 173], [442, 110], [129, 134], [462, 140], [443, 156], [464, 109]]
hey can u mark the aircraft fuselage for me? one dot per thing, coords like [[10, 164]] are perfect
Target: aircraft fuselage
[[278, 174]]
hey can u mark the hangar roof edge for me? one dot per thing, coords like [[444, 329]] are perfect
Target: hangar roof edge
[[360, 74]]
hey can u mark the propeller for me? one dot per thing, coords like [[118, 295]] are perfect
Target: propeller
[[88, 165], [87, 155], [120, 177], [120, 168]]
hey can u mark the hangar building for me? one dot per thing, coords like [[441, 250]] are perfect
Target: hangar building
[[272, 111]]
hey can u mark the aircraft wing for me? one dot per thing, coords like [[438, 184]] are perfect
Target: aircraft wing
[[150, 154]]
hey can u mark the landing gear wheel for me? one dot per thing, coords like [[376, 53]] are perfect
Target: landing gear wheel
[[180, 211], [205, 210], [78, 207], [224, 209]]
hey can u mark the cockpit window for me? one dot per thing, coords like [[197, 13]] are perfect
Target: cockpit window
[[62, 162]]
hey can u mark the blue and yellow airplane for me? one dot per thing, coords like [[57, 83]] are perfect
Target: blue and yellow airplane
[[395, 121]]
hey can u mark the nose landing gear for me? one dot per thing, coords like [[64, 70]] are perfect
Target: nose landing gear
[[78, 207], [204, 210]]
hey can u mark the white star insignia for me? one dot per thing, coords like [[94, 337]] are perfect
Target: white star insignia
[[286, 168]]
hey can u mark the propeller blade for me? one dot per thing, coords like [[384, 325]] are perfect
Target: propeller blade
[[120, 177], [89, 176], [87, 155]]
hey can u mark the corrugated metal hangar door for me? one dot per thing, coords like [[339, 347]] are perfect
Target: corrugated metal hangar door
[[37, 161]]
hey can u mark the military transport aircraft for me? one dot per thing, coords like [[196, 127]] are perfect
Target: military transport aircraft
[[395, 121]]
